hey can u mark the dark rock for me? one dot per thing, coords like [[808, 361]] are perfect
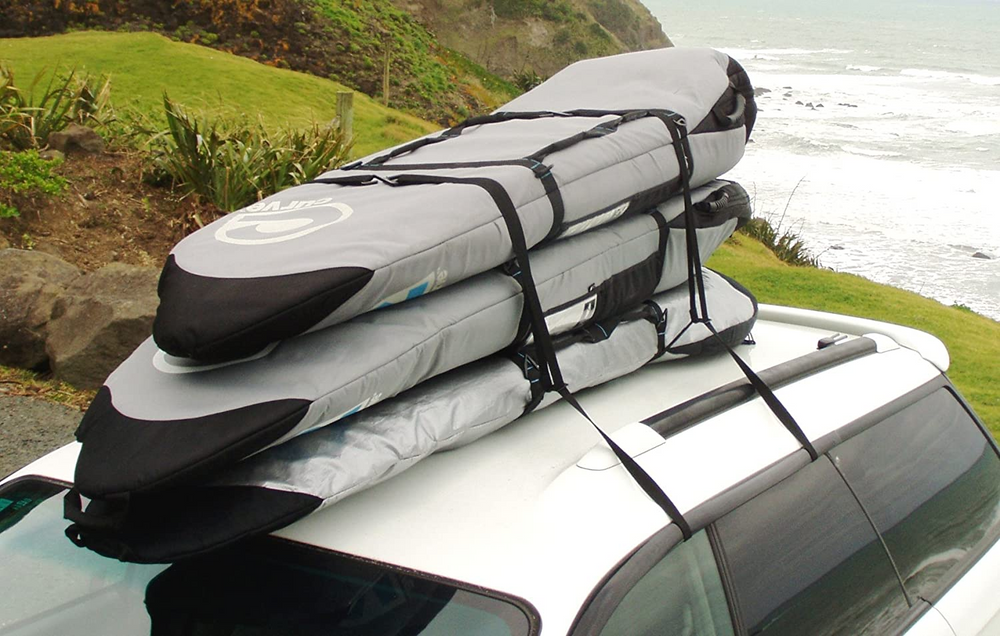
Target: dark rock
[[30, 284], [76, 137], [809, 105], [800, 103], [52, 155], [819, 105], [102, 317], [760, 90], [982, 255], [836, 247], [788, 95]]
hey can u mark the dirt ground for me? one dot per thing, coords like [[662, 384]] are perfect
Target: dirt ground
[[106, 214]]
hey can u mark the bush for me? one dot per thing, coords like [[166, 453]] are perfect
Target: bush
[[234, 164], [786, 245], [27, 118], [25, 174]]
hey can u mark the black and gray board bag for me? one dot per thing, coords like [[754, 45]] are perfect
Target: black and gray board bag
[[283, 483], [161, 422], [599, 141]]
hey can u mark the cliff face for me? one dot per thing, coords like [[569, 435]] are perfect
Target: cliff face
[[521, 38]]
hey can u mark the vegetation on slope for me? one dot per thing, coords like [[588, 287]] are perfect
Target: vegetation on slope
[[345, 40], [972, 340], [527, 39], [211, 82]]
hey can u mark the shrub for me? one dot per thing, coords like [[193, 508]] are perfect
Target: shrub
[[233, 164], [28, 117], [25, 174], [786, 245], [527, 80]]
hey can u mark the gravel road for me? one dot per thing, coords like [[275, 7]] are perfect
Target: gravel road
[[30, 427]]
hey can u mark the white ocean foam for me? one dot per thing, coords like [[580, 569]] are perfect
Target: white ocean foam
[[773, 54], [982, 80], [865, 152], [863, 68]]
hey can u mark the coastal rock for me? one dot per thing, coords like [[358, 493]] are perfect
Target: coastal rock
[[76, 137], [99, 321], [982, 255], [30, 284], [836, 247], [760, 90], [799, 103]]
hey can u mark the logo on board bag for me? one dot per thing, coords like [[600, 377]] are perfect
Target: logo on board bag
[[268, 222], [434, 280]]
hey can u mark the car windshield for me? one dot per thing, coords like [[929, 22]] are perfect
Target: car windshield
[[260, 588]]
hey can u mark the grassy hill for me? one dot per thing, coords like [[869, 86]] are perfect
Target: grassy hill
[[344, 40], [142, 65], [972, 340]]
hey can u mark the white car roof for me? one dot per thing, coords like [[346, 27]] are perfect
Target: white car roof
[[543, 510]]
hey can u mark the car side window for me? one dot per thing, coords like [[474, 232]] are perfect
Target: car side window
[[804, 559], [682, 594], [931, 482]]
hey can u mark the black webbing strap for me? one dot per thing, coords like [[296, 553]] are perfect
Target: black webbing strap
[[769, 398], [641, 477], [550, 374], [685, 162], [455, 131]]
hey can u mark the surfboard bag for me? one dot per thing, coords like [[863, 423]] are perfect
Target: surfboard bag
[[600, 140], [281, 484], [159, 421]]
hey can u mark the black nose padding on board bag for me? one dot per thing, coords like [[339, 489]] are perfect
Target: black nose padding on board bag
[[114, 459], [183, 522], [237, 315]]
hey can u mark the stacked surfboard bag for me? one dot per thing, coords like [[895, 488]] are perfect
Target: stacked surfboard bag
[[331, 335]]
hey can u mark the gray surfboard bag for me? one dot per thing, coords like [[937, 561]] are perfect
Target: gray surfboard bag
[[159, 421], [281, 484], [601, 140]]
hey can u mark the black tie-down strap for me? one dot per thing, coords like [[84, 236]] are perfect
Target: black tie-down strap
[[548, 366], [534, 162], [696, 286]]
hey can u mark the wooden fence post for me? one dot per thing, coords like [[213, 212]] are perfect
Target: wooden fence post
[[345, 113], [385, 77]]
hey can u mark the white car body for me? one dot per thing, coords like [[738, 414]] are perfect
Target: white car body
[[542, 510]]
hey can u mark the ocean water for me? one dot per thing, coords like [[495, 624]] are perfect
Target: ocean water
[[879, 141]]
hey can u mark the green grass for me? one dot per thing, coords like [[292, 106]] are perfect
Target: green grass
[[972, 340], [143, 65]]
